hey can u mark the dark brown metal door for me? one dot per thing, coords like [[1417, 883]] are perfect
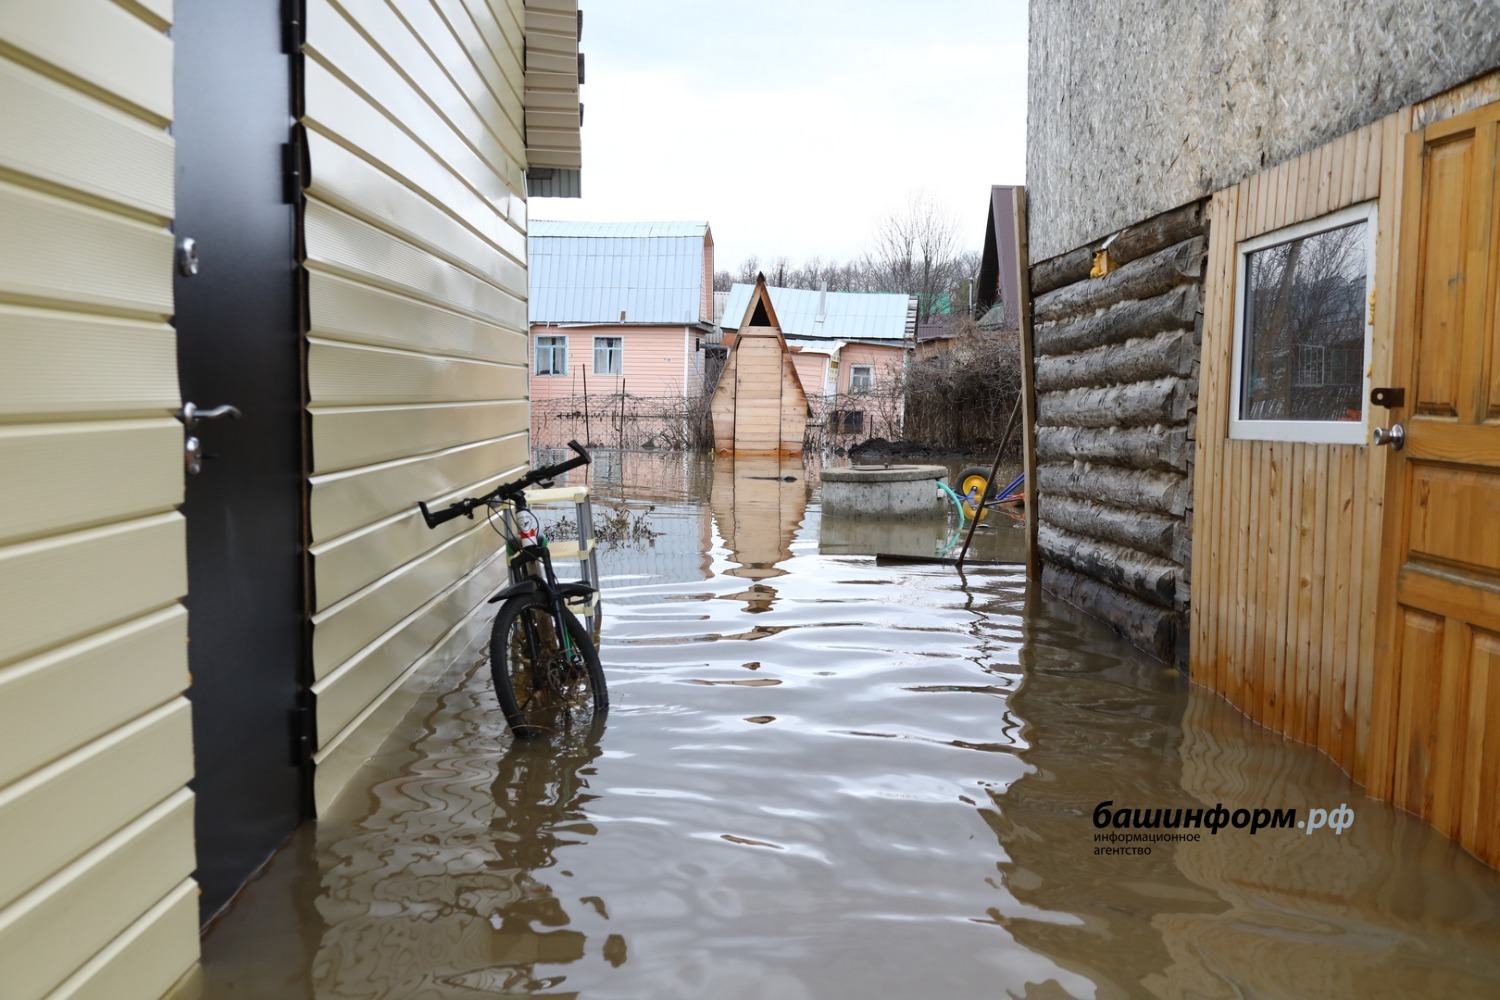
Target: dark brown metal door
[[239, 343]]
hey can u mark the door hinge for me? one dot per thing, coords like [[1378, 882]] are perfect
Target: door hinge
[[301, 736], [291, 167], [294, 26]]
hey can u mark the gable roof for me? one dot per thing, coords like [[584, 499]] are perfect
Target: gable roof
[[845, 315], [592, 272], [998, 273]]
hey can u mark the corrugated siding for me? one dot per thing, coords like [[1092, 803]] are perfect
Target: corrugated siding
[[1287, 535], [416, 259], [553, 113], [95, 818], [654, 359]]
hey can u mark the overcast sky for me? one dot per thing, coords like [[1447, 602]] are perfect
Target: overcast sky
[[791, 126]]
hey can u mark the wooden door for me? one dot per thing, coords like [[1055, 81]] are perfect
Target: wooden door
[[1435, 727]]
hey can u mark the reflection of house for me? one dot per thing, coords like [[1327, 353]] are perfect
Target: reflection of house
[[1209, 475], [619, 306], [849, 349], [353, 281]]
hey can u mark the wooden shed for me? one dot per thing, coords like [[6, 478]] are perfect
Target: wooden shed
[[759, 406]]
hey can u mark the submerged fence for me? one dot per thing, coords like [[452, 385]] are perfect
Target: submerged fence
[[620, 420], [958, 400]]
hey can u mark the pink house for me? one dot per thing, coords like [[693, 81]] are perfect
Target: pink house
[[619, 307]]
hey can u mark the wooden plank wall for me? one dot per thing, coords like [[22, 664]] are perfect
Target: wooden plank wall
[[415, 235], [1287, 535], [96, 821]]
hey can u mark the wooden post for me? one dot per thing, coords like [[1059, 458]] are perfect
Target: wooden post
[[1028, 385]]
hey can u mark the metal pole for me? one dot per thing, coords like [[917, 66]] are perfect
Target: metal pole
[[1010, 425], [588, 434]]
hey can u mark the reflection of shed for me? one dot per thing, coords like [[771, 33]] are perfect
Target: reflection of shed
[[759, 407], [758, 502]]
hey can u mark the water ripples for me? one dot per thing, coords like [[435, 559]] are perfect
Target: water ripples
[[825, 777]]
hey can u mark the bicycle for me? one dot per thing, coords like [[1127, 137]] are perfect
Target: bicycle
[[545, 666]]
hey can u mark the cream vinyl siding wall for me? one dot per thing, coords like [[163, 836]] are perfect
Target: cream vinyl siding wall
[[96, 824], [415, 231], [657, 361]]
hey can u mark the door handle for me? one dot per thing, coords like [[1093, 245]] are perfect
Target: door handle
[[191, 416], [1395, 436]]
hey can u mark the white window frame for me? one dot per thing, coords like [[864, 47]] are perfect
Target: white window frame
[[1312, 431], [536, 361], [856, 369], [620, 354]]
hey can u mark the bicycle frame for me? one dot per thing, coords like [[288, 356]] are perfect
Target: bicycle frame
[[531, 564]]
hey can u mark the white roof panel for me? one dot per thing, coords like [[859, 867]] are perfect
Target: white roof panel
[[592, 272], [846, 315]]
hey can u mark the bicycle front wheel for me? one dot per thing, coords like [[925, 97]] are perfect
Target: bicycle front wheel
[[546, 669]]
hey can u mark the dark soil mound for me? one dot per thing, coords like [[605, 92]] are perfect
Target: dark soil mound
[[879, 449]]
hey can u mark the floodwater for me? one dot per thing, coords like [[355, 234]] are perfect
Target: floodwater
[[832, 775]]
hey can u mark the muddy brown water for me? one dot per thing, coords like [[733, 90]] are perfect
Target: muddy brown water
[[827, 775]]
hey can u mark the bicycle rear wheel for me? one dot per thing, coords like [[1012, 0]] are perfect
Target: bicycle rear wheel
[[547, 672]]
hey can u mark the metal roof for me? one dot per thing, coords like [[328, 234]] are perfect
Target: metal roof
[[592, 272], [846, 315]]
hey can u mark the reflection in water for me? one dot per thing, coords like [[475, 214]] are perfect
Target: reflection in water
[[758, 502], [450, 882], [883, 788]]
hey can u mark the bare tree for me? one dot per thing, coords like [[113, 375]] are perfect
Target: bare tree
[[749, 268], [916, 250]]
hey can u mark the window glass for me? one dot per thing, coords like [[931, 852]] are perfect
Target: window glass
[[552, 355], [1303, 308], [608, 356], [861, 378]]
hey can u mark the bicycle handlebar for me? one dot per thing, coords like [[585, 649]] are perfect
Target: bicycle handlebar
[[505, 491]]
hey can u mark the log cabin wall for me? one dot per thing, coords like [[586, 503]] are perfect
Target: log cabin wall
[[1287, 534], [1116, 361]]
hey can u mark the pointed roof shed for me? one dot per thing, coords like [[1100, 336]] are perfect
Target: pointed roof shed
[[759, 406]]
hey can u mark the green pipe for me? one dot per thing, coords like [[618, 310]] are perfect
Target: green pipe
[[957, 503]]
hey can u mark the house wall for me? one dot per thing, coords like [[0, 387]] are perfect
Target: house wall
[[1288, 534], [657, 361], [1115, 375], [1197, 95], [415, 263], [96, 822], [886, 361], [706, 304], [812, 370]]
